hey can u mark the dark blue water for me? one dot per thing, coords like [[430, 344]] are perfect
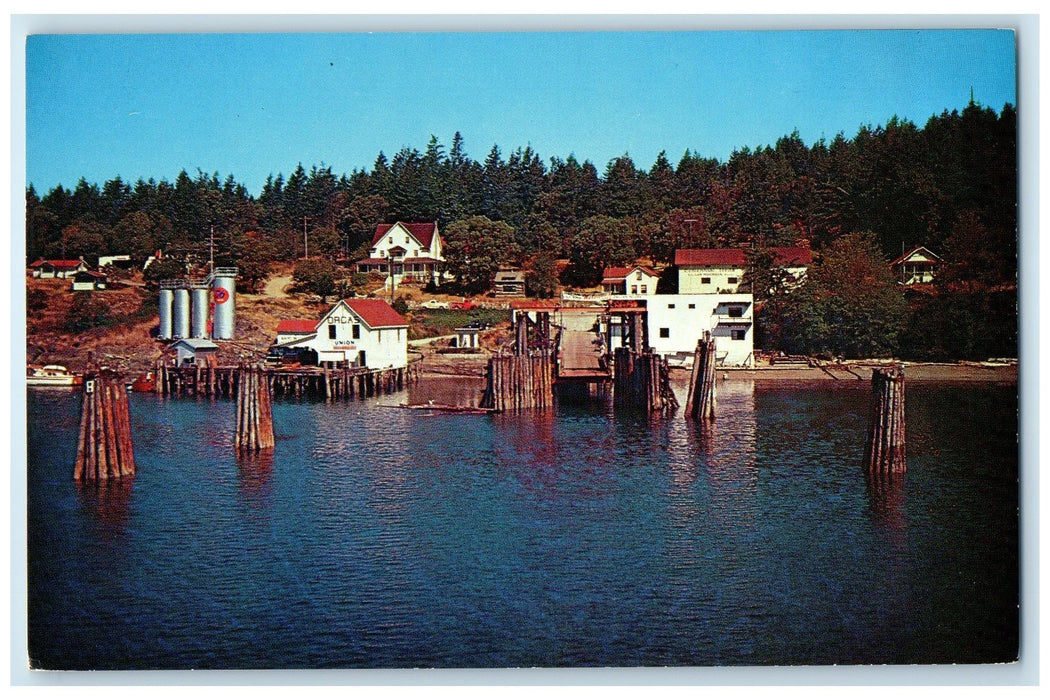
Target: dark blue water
[[376, 537]]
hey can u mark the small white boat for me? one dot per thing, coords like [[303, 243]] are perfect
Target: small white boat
[[52, 375]]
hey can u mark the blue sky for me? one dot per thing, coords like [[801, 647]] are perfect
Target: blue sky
[[250, 105]]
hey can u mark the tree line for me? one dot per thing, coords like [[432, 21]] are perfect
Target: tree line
[[950, 185]]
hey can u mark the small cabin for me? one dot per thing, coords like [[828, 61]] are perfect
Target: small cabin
[[919, 266], [193, 351], [88, 281], [509, 283]]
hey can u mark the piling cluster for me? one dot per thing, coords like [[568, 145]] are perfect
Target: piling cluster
[[519, 381], [104, 448], [885, 454], [254, 412], [642, 381], [701, 402]]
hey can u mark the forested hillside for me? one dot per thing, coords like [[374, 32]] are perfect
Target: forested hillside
[[950, 185]]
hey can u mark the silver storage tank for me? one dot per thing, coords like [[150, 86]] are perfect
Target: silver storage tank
[[200, 297], [166, 297], [181, 314], [223, 320]]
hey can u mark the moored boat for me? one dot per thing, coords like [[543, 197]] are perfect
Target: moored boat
[[144, 382], [52, 375]]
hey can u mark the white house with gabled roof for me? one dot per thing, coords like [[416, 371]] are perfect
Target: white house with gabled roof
[[918, 266], [358, 332], [635, 279], [413, 249]]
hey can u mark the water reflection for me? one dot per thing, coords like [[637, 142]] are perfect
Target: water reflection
[[107, 501], [254, 471], [886, 497]]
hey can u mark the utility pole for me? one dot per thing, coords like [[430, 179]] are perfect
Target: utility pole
[[390, 259], [211, 250], [306, 241]]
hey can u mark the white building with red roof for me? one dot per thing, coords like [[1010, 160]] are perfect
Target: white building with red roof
[[636, 279], [357, 332], [918, 266], [57, 268], [413, 249], [721, 270]]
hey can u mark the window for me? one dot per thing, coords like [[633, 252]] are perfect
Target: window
[[692, 306], [705, 280], [355, 332], [670, 306], [738, 334], [665, 332], [634, 289], [736, 312], [639, 275], [732, 280], [644, 287], [331, 331]]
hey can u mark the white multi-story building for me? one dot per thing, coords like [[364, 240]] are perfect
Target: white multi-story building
[[677, 321], [412, 249], [721, 270]]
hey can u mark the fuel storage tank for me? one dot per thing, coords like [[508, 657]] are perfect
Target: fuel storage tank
[[180, 317], [200, 301], [223, 287], [167, 296]]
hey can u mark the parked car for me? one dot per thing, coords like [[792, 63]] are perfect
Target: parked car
[[434, 304], [482, 325], [464, 305]]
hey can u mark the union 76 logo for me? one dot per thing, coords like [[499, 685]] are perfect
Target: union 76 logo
[[221, 295]]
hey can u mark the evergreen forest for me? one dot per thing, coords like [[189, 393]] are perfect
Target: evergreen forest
[[859, 202]]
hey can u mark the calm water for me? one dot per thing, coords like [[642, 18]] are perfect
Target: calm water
[[376, 537]]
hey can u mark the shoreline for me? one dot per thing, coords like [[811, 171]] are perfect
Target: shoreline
[[454, 365]]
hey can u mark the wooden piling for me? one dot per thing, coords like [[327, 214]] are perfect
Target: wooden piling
[[104, 447], [642, 381], [700, 405], [885, 453], [254, 412], [518, 382]]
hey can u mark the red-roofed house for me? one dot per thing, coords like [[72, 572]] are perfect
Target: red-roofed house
[[414, 250], [361, 332], [916, 267], [57, 268], [721, 270], [88, 281], [636, 279]]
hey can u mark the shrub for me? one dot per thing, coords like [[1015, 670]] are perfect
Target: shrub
[[86, 312]]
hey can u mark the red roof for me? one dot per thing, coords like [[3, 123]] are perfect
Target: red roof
[[736, 257], [617, 274], [913, 251], [376, 313], [422, 232], [296, 325], [58, 264]]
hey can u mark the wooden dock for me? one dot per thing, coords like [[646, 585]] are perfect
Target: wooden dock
[[287, 383]]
